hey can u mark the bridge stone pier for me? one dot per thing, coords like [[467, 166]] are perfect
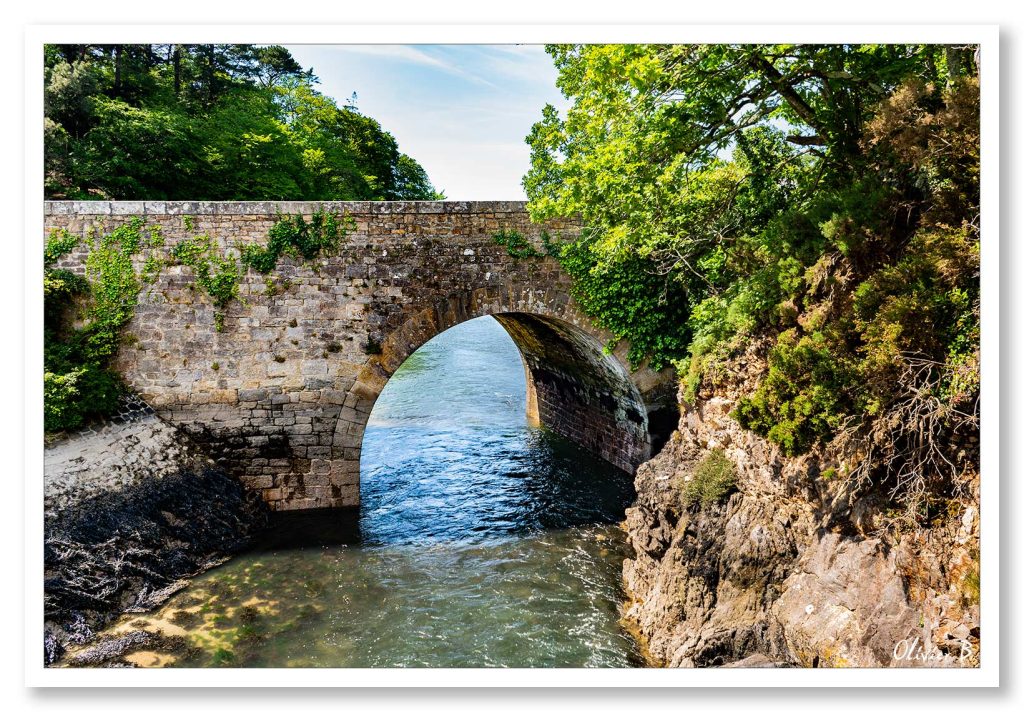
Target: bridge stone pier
[[282, 394]]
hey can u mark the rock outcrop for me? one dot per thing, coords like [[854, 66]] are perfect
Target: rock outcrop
[[132, 510], [783, 570]]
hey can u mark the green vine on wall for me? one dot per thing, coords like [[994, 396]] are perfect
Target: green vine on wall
[[293, 236], [79, 343], [85, 316], [219, 273], [516, 244]]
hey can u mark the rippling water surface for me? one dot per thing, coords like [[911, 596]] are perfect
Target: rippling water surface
[[480, 542]]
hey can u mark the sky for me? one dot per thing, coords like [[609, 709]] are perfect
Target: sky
[[462, 111]]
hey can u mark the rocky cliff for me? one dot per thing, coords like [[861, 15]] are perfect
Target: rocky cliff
[[787, 567]]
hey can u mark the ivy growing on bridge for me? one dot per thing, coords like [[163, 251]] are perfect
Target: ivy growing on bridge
[[295, 237], [515, 244], [83, 320], [85, 316]]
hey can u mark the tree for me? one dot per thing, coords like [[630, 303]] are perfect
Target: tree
[[642, 154], [214, 122], [822, 199]]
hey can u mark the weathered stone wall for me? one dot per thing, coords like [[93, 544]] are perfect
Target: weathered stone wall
[[282, 394]]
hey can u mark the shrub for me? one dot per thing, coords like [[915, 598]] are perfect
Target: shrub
[[630, 299], [515, 244], [70, 398], [77, 381], [804, 397], [711, 480]]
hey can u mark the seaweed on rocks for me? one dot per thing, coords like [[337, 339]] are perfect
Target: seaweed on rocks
[[130, 550]]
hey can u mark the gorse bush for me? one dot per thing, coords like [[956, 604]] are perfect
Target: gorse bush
[[802, 400], [712, 479], [846, 242]]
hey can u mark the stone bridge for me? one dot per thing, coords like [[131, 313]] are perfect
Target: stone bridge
[[282, 393]]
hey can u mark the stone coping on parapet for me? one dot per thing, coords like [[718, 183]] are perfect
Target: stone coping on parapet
[[284, 207]]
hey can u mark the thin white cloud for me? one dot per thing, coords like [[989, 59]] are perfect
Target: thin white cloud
[[462, 111], [521, 62], [413, 55]]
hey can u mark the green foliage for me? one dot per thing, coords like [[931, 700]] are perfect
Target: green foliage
[[815, 203], [295, 237], [217, 274], [917, 314], [803, 398], [515, 244], [712, 479], [923, 306], [151, 269], [77, 380], [85, 316], [210, 122], [60, 243], [61, 397], [629, 300], [114, 289], [61, 285], [72, 398]]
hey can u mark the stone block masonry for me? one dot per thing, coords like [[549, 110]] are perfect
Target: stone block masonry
[[281, 395]]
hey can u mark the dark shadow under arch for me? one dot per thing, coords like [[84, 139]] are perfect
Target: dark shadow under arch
[[578, 391]]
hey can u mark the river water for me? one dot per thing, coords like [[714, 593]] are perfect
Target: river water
[[480, 542]]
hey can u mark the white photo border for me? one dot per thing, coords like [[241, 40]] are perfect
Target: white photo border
[[987, 675]]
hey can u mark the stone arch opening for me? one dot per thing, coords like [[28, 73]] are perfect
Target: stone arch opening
[[575, 386], [578, 391]]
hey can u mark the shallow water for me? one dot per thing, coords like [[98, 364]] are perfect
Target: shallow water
[[480, 542]]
